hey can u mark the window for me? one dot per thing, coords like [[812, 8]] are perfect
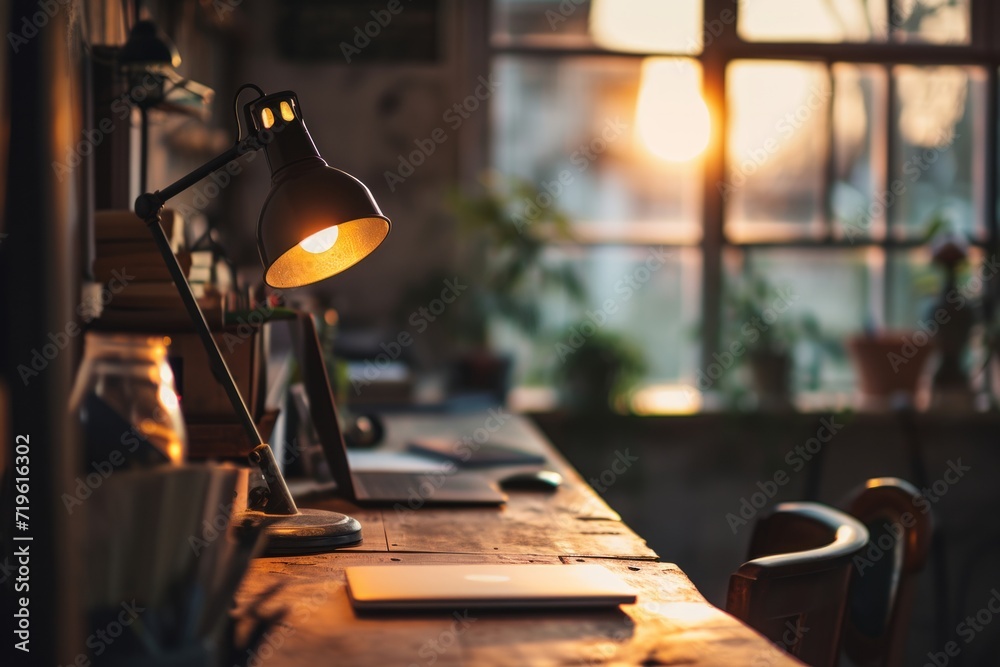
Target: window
[[808, 141]]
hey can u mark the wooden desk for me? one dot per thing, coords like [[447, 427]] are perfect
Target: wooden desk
[[671, 624]]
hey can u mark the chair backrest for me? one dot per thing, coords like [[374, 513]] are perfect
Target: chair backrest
[[881, 597], [794, 588]]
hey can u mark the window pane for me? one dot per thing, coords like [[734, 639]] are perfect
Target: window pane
[[541, 20], [937, 165], [833, 286], [778, 129], [651, 26], [859, 150], [931, 21], [569, 125], [650, 296], [643, 26], [813, 21]]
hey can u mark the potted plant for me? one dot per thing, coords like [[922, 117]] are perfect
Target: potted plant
[[504, 232], [596, 375], [762, 325]]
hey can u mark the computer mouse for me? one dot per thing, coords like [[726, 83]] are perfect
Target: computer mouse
[[533, 480]]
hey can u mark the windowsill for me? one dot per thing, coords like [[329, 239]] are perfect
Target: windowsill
[[545, 400]]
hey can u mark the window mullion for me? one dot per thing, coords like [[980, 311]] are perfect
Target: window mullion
[[887, 170], [830, 167]]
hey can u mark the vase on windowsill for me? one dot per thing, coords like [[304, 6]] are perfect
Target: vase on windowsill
[[889, 365]]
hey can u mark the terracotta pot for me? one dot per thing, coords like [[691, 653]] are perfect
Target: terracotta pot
[[890, 362]]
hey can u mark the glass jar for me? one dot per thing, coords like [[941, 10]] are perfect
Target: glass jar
[[125, 396]]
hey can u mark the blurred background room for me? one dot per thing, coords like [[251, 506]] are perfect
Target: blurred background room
[[747, 247]]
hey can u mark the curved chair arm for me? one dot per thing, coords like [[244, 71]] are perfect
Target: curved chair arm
[[803, 537], [794, 589]]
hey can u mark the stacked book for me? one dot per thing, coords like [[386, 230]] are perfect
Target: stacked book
[[137, 291], [139, 296]]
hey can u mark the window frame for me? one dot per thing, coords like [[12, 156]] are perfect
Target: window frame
[[982, 51]]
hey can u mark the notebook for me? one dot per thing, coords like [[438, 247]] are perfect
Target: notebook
[[473, 455], [488, 586]]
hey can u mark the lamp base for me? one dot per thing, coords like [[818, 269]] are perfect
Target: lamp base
[[308, 532]]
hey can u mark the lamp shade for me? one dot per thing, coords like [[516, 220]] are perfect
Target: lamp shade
[[316, 220], [316, 224], [148, 46]]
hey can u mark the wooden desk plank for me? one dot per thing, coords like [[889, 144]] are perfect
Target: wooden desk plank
[[670, 625], [520, 528]]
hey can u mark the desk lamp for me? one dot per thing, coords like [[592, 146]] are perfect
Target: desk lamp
[[315, 222]]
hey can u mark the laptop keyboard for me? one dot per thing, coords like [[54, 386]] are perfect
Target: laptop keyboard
[[454, 488], [391, 484]]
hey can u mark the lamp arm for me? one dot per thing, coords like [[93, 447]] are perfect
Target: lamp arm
[[151, 202], [148, 207]]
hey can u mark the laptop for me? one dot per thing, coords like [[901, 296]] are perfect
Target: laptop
[[410, 489], [489, 586]]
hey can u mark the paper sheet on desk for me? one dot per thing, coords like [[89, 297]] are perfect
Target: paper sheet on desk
[[365, 460]]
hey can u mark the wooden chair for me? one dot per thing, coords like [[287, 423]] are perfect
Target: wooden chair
[[881, 597], [794, 588]]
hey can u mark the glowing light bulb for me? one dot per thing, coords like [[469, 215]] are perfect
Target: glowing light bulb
[[320, 241]]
